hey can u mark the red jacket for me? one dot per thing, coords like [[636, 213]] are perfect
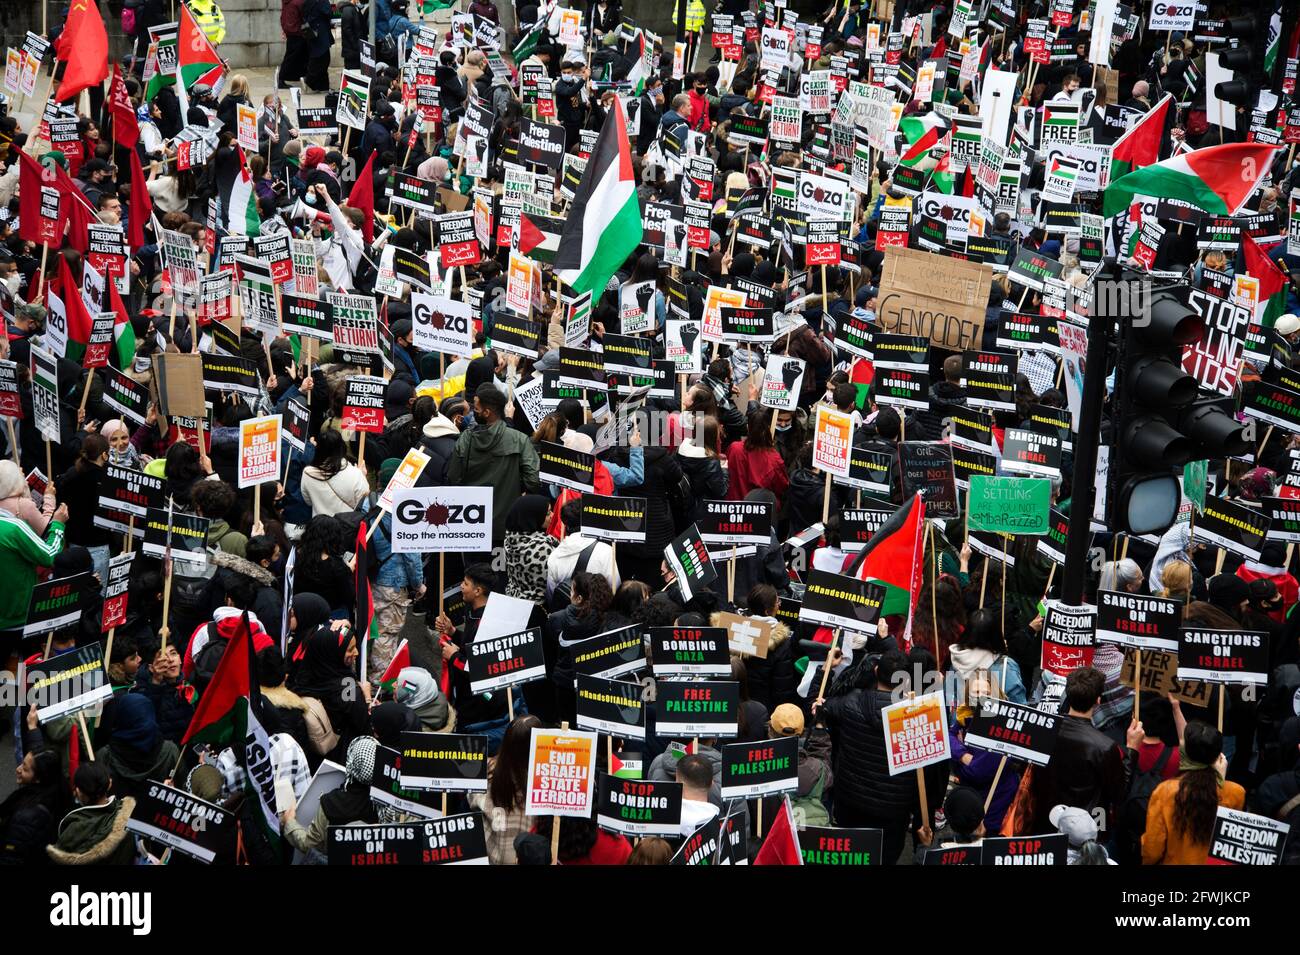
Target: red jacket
[[700, 121], [747, 470], [1287, 588], [227, 620]]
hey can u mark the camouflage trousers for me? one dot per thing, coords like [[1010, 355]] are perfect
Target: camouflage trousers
[[391, 606]]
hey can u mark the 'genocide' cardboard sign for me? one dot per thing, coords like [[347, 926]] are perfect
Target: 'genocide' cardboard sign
[[936, 296]]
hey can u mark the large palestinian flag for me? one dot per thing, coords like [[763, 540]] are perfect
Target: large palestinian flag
[[893, 557], [1139, 147], [238, 198], [1219, 179], [604, 223], [197, 60], [922, 133]]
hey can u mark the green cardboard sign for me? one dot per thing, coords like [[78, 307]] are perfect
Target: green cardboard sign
[[1010, 505]]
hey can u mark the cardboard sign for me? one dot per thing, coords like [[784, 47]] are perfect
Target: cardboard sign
[[832, 439], [70, 682], [259, 450], [446, 762], [639, 807], [936, 296], [916, 733], [498, 662], [1244, 838], [613, 518], [1236, 528], [561, 773], [707, 708], [448, 840], [1139, 621], [926, 468], [1228, 656], [1026, 850], [449, 519], [838, 600], [1069, 637], [1013, 729], [611, 707], [198, 829], [1160, 676], [1009, 505], [609, 654], [688, 559], [689, 651], [760, 769], [363, 404], [180, 384], [746, 636]]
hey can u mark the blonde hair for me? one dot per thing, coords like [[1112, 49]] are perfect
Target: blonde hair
[[1216, 260], [12, 482], [1176, 578], [238, 85]]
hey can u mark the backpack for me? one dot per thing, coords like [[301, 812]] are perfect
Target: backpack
[[192, 589], [681, 501], [559, 598], [1133, 811], [810, 809], [206, 660]]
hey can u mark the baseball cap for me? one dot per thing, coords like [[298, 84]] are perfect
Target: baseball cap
[[964, 808], [1077, 824], [1287, 325], [786, 720]]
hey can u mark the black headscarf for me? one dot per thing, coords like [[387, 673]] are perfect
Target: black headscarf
[[479, 370], [390, 720], [527, 515], [321, 672], [310, 610]]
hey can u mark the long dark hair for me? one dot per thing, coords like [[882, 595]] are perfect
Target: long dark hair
[[93, 447], [508, 782], [1197, 801], [595, 593], [331, 454]]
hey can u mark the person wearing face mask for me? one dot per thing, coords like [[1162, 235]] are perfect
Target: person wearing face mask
[[438, 439], [701, 102], [569, 99], [652, 111], [161, 683]]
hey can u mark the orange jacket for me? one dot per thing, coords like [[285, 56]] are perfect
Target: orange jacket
[[1163, 843]]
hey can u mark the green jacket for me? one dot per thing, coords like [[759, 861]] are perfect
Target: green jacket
[[223, 537], [21, 552], [95, 835], [498, 457]]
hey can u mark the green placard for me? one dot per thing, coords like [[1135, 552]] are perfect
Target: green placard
[[1195, 474], [1010, 505]]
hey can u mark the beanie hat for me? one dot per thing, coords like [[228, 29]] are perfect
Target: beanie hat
[[314, 156]]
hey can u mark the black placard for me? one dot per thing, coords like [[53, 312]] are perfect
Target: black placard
[[1223, 656], [69, 682], [1272, 404], [953, 855], [130, 492], [1025, 850], [689, 651], [614, 518], [1244, 838], [446, 762], [971, 429], [386, 787], [1057, 421], [450, 840], [747, 324], [125, 396], [760, 769], [580, 368], [1140, 621], [857, 525], [688, 558], [199, 829], [841, 847], [515, 334], [837, 600], [609, 654], [868, 470], [565, 467], [189, 535], [627, 354], [638, 807], [989, 380], [1234, 527], [509, 660], [226, 373], [706, 708], [611, 707], [1013, 729], [541, 143], [735, 522], [926, 468], [1031, 453]]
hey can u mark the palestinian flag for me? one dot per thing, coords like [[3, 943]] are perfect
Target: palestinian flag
[[239, 200], [528, 43], [366, 621], [1273, 43], [1139, 147], [401, 660], [79, 319], [155, 80], [942, 179], [1272, 282], [1219, 179], [197, 60], [893, 557], [781, 844], [604, 223], [628, 766], [922, 133], [221, 714], [538, 237], [123, 333], [636, 74]]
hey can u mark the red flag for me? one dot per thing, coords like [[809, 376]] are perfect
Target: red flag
[[781, 847], [77, 210], [79, 320], [140, 207], [126, 128], [33, 178], [83, 45], [363, 197]]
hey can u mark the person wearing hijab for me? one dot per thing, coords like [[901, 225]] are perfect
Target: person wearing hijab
[[417, 689], [340, 807], [390, 720], [29, 817], [326, 678], [136, 750], [528, 547], [435, 168], [121, 451], [307, 612]]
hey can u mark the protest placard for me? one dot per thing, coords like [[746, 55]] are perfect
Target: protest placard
[[451, 519], [916, 733], [446, 762], [259, 450], [1009, 505], [561, 776]]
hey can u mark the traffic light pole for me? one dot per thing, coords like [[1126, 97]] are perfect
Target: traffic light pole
[[1083, 494]]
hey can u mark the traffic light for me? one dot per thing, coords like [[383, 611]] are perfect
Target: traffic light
[[1159, 423], [1245, 60]]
